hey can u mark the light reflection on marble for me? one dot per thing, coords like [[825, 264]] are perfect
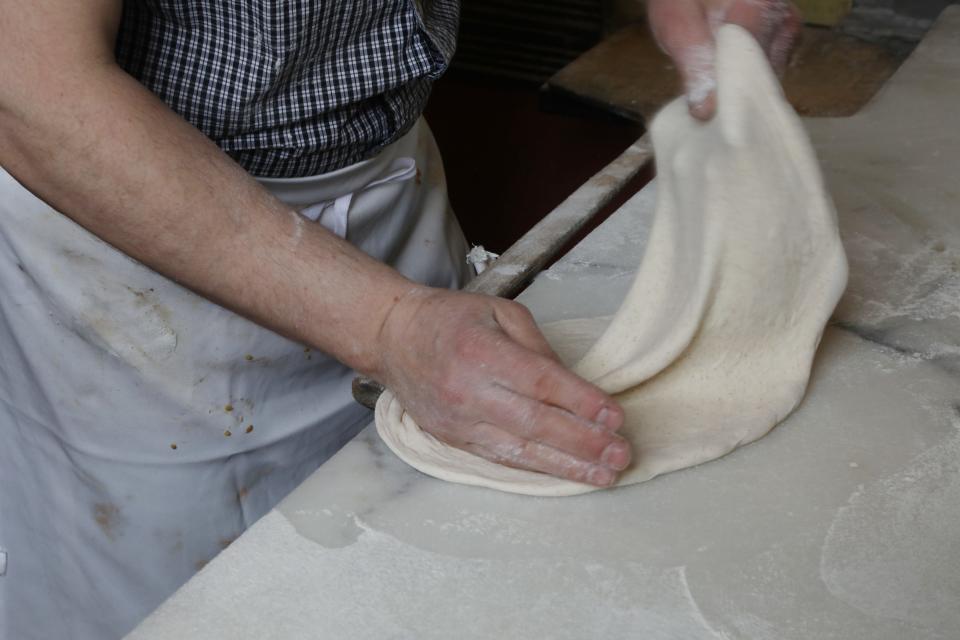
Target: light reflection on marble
[[844, 522]]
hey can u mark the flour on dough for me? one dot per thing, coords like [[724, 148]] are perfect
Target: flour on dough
[[714, 342]]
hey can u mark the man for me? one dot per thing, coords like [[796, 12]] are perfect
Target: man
[[185, 182]]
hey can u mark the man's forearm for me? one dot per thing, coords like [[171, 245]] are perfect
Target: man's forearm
[[103, 150]]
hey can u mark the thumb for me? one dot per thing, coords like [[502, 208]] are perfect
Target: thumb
[[682, 28], [517, 322]]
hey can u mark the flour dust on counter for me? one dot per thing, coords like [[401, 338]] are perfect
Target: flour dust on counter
[[714, 342]]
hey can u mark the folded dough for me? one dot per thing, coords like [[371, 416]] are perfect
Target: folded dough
[[714, 343]]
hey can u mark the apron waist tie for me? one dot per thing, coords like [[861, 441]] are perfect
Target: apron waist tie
[[333, 214]]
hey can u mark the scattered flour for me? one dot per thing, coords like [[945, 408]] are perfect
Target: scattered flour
[[886, 552]]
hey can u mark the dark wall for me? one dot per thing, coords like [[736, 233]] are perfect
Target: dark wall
[[926, 9], [921, 8]]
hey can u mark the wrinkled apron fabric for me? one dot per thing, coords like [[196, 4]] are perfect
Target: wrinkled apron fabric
[[143, 428]]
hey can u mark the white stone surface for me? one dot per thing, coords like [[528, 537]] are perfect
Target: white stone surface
[[842, 523]]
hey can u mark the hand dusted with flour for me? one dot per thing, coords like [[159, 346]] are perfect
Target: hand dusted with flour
[[685, 30], [714, 343]]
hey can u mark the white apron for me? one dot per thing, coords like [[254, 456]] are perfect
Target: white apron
[[143, 428]]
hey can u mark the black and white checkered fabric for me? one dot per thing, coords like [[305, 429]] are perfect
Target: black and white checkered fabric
[[291, 87]]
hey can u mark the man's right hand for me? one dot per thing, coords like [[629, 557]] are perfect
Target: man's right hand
[[476, 372]]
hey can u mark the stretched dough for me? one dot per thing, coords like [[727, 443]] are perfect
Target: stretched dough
[[714, 343]]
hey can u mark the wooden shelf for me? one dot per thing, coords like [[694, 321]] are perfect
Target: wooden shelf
[[831, 74]]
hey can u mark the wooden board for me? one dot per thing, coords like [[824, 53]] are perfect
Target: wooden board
[[824, 12], [831, 74]]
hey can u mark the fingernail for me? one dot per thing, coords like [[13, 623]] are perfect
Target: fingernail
[[607, 418], [616, 455], [701, 95], [698, 96], [702, 109], [603, 415], [601, 477], [701, 77]]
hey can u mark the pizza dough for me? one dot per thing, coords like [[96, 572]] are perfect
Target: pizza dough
[[714, 343]]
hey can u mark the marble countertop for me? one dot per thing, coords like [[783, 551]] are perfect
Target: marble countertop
[[844, 522]]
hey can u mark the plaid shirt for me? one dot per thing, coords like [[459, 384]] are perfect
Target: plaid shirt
[[291, 87]]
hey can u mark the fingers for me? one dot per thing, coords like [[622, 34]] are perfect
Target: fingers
[[548, 382], [785, 40], [762, 18], [776, 24], [459, 360], [683, 30], [497, 445], [543, 378], [540, 416], [538, 422]]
